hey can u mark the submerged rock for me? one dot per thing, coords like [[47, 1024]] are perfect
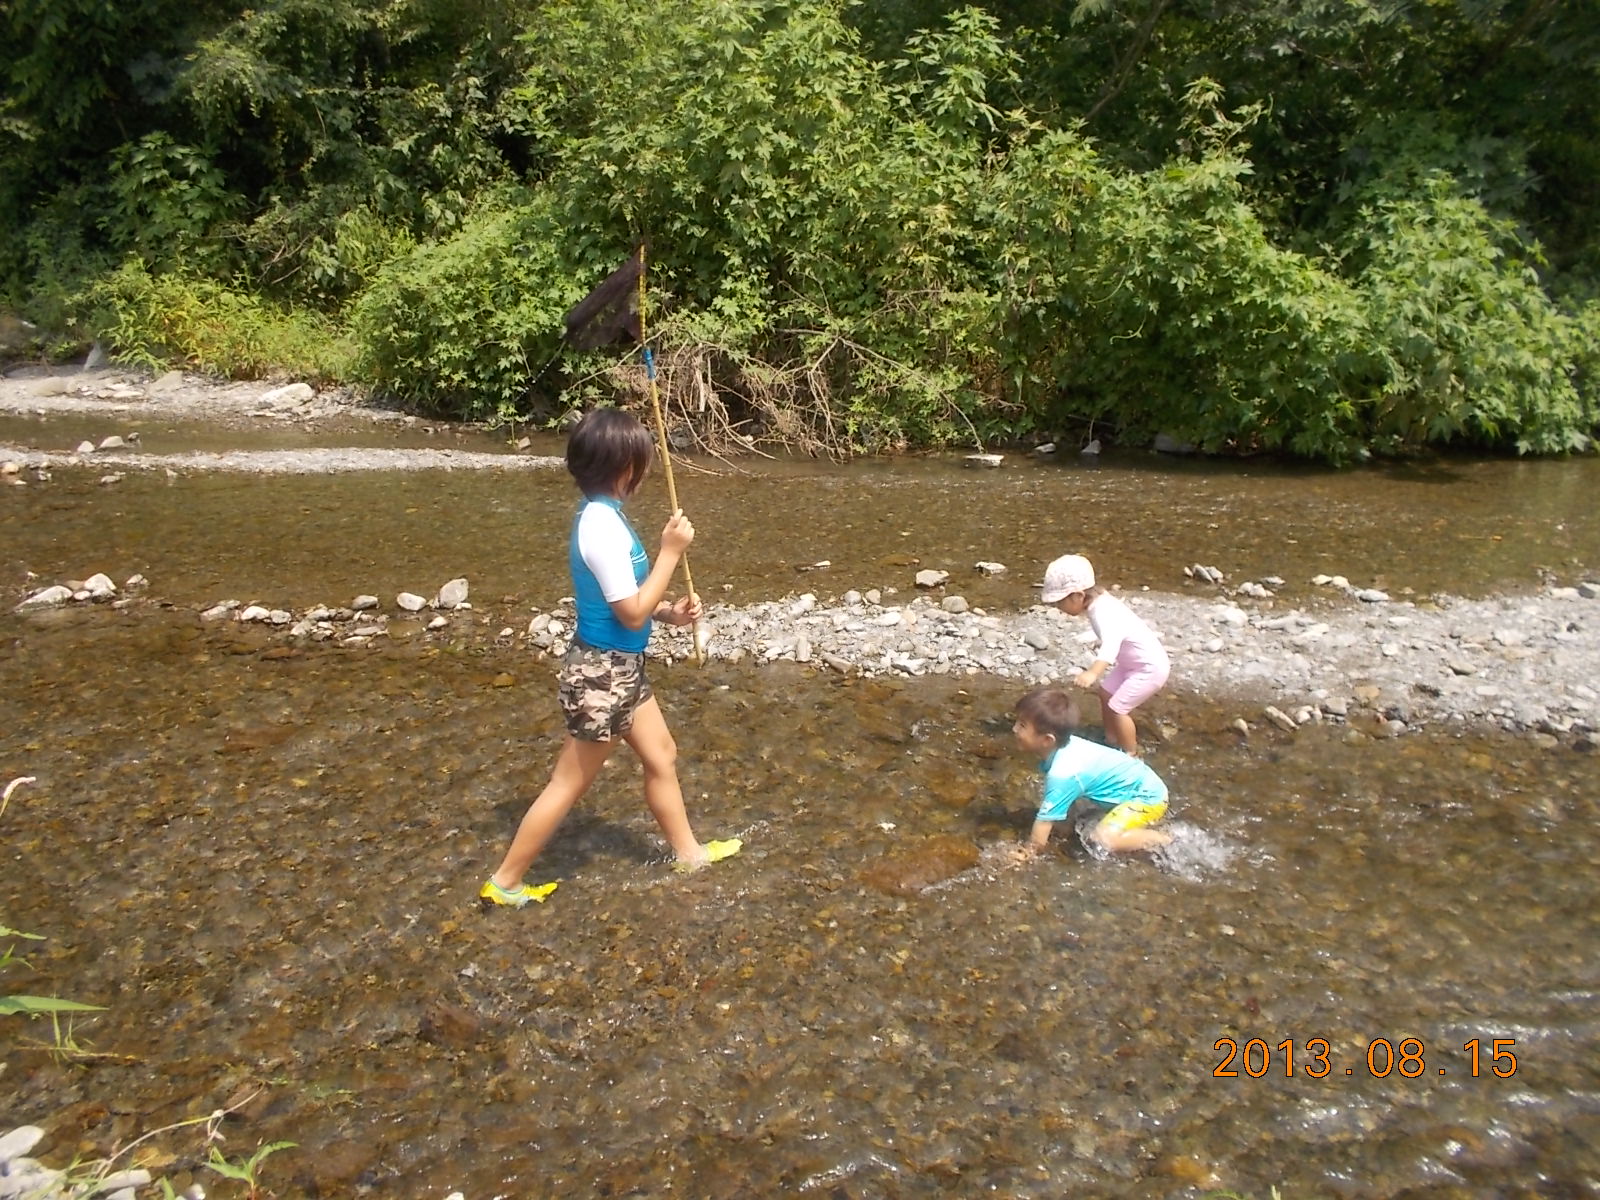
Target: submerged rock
[[910, 871]]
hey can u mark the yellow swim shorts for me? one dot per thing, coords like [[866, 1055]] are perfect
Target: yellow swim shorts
[[1132, 814]]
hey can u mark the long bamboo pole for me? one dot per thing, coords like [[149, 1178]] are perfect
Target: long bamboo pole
[[666, 453]]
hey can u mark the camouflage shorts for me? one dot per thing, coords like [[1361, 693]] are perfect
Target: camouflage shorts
[[600, 690]]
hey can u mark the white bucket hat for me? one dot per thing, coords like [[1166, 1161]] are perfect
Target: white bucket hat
[[1069, 573]]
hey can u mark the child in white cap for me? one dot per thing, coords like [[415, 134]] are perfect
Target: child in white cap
[[1130, 665]]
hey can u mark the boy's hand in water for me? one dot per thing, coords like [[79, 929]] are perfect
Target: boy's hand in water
[[1016, 853], [677, 533]]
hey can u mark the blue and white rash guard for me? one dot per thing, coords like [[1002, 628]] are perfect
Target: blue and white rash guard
[[608, 562]]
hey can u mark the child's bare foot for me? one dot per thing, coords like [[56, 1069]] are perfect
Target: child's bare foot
[[714, 852]]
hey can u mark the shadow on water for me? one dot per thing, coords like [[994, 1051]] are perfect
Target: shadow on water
[[264, 868]]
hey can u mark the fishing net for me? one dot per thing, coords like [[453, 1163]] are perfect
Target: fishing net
[[610, 313]]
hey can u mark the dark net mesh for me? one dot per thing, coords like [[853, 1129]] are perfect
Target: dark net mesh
[[610, 313]]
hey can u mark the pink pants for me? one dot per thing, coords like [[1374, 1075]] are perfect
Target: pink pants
[[1127, 687]]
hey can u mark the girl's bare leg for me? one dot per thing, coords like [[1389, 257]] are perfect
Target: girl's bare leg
[[576, 766], [1119, 727], [652, 742]]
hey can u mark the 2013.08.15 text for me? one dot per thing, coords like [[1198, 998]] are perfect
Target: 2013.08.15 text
[[1408, 1058]]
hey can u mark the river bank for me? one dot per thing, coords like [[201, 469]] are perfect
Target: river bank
[[1524, 663]]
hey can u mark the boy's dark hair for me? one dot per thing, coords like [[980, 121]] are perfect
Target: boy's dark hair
[[609, 449], [1050, 710]]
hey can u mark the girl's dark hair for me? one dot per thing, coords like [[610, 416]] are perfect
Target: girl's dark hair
[[1049, 710], [608, 452]]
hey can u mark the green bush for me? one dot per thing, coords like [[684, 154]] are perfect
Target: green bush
[[465, 326], [1474, 350], [162, 320]]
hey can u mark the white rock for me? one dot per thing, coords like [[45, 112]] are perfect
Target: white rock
[[1229, 614], [19, 1141], [293, 393], [441, 622], [990, 568], [932, 579], [99, 586], [984, 460], [452, 595], [255, 612], [803, 604], [136, 581], [85, 448], [220, 610], [362, 603], [111, 443], [47, 598], [410, 601]]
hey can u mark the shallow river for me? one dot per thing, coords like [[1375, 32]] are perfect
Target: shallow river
[[264, 867]]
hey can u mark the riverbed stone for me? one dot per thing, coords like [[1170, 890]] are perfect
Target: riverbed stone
[[46, 598], [1280, 718], [452, 595]]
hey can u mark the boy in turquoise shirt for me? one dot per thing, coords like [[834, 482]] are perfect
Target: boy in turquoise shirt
[[1131, 793]]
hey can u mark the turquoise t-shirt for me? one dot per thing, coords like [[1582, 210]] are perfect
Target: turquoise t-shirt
[[598, 626], [1104, 775]]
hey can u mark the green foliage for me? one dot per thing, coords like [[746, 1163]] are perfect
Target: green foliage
[[244, 1170], [872, 224], [466, 325], [1474, 349], [165, 204], [156, 320]]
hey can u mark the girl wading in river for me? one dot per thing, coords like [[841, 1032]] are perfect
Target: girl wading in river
[[603, 691]]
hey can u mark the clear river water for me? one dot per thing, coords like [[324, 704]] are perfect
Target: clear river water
[[1369, 969]]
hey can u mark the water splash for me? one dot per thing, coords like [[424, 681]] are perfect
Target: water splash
[[1195, 854]]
